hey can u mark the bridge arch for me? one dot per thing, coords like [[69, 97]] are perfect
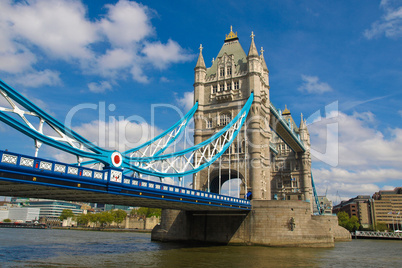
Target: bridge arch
[[238, 184]]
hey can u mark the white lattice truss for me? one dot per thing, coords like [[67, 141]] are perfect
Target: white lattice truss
[[160, 145], [193, 158], [27, 126]]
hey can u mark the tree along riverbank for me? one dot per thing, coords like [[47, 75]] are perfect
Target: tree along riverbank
[[106, 229]]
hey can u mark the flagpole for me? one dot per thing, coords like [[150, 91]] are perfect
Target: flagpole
[[393, 224]]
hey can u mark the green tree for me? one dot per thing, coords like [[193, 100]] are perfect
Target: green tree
[[66, 213], [83, 219], [343, 219], [351, 224], [105, 218], [381, 227], [147, 212], [119, 215], [6, 220]]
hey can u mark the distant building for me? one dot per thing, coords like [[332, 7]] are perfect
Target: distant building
[[19, 214], [107, 207], [360, 206], [49, 209], [387, 208], [383, 207]]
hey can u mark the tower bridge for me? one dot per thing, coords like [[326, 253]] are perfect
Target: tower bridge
[[239, 134]]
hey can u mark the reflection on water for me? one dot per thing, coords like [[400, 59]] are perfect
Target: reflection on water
[[69, 248]]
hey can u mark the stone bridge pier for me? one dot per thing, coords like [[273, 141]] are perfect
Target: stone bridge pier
[[269, 223]]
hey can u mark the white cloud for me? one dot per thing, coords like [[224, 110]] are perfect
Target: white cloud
[[311, 84], [16, 61], [118, 134], [126, 23], [113, 46], [161, 55], [390, 23], [164, 79], [367, 160], [115, 59], [60, 28], [187, 101], [138, 74], [100, 87], [360, 144], [46, 77]]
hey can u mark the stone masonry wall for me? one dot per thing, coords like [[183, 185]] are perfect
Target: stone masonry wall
[[270, 223]]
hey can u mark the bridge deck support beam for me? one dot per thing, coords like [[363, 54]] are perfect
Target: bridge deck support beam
[[270, 223]]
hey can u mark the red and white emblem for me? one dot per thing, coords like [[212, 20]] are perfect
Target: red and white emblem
[[116, 176], [117, 159]]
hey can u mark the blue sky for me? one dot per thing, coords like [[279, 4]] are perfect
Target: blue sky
[[128, 56]]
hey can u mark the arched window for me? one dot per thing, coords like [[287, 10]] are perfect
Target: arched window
[[221, 71], [209, 123], [229, 70], [236, 85], [214, 88], [225, 118], [221, 87]]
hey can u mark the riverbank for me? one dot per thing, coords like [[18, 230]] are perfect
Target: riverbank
[[23, 225], [103, 229]]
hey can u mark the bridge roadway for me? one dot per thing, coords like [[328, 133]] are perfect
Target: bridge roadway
[[27, 176]]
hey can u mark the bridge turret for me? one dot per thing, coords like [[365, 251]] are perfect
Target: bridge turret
[[303, 131], [254, 67], [258, 131], [200, 72], [265, 71], [306, 163]]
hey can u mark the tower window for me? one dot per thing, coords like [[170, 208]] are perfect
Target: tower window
[[214, 88], [222, 87], [229, 86], [209, 123], [229, 70], [224, 119], [236, 85], [222, 71]]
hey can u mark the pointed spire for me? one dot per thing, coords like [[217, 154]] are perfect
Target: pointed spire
[[302, 122], [264, 64], [253, 50], [286, 111], [200, 61]]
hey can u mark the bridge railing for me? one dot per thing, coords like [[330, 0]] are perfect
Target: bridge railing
[[44, 165], [36, 166], [375, 234]]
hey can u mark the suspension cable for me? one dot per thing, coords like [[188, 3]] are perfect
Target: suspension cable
[[245, 159]]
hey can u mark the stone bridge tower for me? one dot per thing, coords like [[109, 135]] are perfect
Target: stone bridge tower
[[221, 92], [266, 165], [264, 157]]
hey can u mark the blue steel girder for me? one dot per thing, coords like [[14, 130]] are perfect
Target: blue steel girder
[[67, 140], [27, 176], [279, 125]]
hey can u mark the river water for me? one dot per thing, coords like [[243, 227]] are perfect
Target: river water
[[71, 248]]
